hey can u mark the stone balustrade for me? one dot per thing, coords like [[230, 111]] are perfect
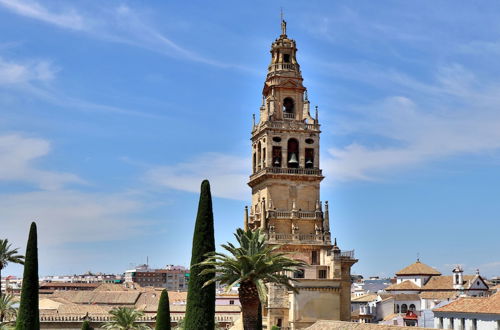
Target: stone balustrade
[[288, 171], [281, 238], [288, 125], [282, 66]]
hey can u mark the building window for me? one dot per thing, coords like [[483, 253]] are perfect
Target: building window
[[396, 308], [412, 307], [322, 273], [462, 323], [314, 258], [474, 324], [404, 308], [231, 302], [299, 273], [286, 58], [452, 323], [288, 105]]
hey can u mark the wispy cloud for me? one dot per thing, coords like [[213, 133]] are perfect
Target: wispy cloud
[[460, 116], [121, 24], [227, 174], [35, 78], [18, 154], [67, 19]]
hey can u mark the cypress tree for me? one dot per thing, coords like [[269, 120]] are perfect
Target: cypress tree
[[163, 313], [200, 309], [28, 314], [86, 325]]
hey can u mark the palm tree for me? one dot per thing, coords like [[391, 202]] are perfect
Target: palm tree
[[8, 254], [7, 310], [125, 319], [252, 265]]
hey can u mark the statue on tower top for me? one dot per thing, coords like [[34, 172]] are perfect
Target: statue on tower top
[[283, 27]]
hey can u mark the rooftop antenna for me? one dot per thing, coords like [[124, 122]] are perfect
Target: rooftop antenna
[[418, 256]]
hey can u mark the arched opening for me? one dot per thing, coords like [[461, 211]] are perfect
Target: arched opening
[[293, 153], [254, 162], [288, 105], [259, 164], [404, 308], [396, 308], [412, 307], [286, 58], [309, 158], [276, 156]]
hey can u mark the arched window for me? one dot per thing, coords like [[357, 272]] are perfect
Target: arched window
[[276, 156], [254, 162], [259, 164], [412, 307], [293, 153], [404, 308], [288, 105], [309, 158], [396, 308]]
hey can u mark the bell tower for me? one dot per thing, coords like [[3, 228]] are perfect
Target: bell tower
[[286, 203]]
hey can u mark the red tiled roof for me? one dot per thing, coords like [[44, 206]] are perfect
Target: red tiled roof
[[418, 268]]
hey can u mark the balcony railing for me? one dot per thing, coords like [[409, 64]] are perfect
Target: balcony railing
[[347, 254], [294, 214], [291, 171], [296, 238], [288, 125], [287, 115], [282, 66]]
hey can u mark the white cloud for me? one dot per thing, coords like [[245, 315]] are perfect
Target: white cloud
[[460, 116], [19, 73], [17, 156], [66, 216], [227, 174]]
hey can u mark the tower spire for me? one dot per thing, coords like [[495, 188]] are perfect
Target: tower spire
[[283, 24]]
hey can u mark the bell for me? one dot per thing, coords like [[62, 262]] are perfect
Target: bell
[[293, 159], [276, 162], [309, 162]]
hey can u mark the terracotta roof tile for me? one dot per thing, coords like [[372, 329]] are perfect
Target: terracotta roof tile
[[365, 298], [483, 305], [446, 282], [404, 286], [418, 268], [439, 295]]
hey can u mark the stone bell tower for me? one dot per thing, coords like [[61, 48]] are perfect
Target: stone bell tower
[[286, 202]]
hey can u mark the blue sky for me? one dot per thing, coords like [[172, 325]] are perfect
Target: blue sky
[[112, 114]]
